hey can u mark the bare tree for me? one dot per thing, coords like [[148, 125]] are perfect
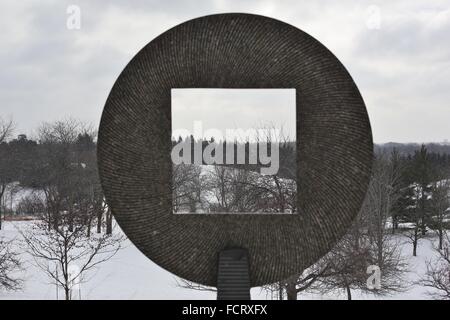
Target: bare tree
[[307, 281], [10, 265], [341, 269], [437, 275], [6, 177], [238, 187], [381, 198], [6, 129], [66, 255], [348, 261], [440, 208], [186, 284], [229, 189], [367, 242], [418, 210], [67, 176], [187, 187], [67, 170], [31, 204], [415, 213]]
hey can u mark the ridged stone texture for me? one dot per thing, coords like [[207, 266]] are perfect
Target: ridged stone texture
[[334, 146], [233, 281]]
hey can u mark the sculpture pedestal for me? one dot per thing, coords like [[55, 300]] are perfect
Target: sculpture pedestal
[[233, 279]]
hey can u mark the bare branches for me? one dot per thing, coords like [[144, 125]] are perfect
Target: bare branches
[[6, 129], [6, 160], [182, 283], [367, 243], [228, 189], [10, 264], [438, 278], [440, 208], [56, 250], [64, 131], [437, 275], [62, 243]]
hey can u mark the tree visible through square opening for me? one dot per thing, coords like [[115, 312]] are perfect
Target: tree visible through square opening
[[234, 151]]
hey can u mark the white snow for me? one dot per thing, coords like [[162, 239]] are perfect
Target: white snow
[[130, 275]]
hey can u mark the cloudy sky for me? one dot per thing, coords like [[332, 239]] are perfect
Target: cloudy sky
[[255, 112], [397, 52]]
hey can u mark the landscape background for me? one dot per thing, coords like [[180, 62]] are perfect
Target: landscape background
[[56, 230]]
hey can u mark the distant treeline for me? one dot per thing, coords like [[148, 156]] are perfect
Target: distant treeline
[[437, 155], [410, 148], [286, 153]]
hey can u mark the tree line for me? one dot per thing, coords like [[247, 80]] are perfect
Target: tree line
[[236, 187]]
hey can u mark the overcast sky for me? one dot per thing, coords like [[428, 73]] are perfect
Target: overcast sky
[[397, 52], [256, 112]]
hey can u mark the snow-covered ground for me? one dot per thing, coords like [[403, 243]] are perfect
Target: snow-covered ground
[[416, 269], [130, 275]]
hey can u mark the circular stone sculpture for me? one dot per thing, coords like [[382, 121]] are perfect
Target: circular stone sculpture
[[334, 146]]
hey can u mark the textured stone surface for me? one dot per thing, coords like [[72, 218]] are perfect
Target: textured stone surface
[[233, 281], [334, 146]]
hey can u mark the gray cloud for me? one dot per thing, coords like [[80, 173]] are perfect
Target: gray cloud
[[402, 68]]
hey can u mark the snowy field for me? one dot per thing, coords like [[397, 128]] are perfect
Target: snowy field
[[130, 275]]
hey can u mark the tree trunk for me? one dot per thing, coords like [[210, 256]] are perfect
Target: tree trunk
[[394, 224], [280, 291], [423, 224], [291, 291], [49, 221], [108, 222], [99, 220], [71, 221], [56, 219], [89, 229], [67, 293], [1, 197], [441, 235], [415, 243], [423, 227], [349, 293]]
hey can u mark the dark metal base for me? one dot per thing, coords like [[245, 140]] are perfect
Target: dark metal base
[[233, 280]]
